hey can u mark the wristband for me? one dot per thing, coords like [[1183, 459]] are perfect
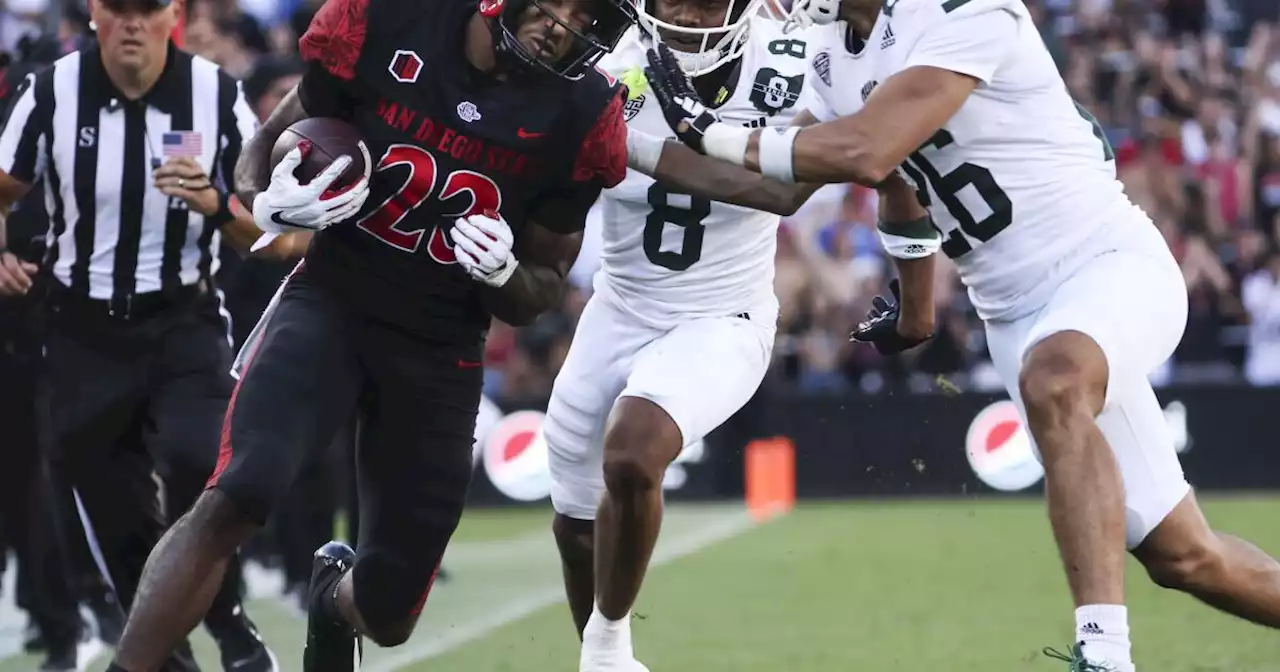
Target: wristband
[[776, 153], [726, 143], [643, 151], [224, 214], [915, 239]]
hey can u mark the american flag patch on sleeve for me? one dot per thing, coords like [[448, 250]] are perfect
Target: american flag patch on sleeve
[[183, 143]]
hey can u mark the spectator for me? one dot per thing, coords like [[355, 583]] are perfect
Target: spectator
[[1188, 92], [1261, 293]]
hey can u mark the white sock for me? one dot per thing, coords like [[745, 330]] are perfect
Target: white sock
[[603, 633], [1104, 631]]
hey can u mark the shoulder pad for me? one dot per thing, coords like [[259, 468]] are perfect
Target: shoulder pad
[[629, 53], [936, 10], [772, 44], [337, 35]]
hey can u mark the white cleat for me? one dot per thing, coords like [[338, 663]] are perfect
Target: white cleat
[[608, 661], [606, 647]]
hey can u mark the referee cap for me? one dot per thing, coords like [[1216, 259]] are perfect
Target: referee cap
[[118, 5]]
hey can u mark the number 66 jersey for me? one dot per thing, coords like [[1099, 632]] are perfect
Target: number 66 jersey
[[1021, 180], [667, 256]]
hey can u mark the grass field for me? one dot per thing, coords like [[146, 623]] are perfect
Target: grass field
[[946, 586]]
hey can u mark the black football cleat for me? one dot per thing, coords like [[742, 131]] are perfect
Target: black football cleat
[[332, 646]]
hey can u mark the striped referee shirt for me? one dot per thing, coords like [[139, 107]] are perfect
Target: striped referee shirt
[[112, 233]]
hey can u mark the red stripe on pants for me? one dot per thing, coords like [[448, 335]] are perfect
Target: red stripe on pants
[[422, 601]]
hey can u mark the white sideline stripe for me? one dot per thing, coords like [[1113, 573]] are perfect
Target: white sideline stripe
[[678, 547], [12, 621]]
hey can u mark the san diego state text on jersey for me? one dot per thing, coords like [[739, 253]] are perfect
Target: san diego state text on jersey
[[449, 141]]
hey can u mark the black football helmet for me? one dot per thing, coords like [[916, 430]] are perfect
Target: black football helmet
[[610, 20]]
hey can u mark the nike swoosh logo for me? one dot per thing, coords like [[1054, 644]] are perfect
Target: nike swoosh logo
[[275, 217], [527, 134]]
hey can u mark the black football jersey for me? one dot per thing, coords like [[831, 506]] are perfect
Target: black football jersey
[[447, 141]]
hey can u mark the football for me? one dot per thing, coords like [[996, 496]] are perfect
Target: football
[[330, 139]]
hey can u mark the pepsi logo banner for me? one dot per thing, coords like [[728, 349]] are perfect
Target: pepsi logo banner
[[512, 450], [999, 449]]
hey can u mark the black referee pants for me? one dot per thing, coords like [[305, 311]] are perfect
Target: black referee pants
[[129, 399]]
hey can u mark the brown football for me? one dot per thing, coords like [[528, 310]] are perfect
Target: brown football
[[330, 139]]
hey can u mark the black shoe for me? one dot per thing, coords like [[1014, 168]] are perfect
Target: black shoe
[[331, 646], [109, 617], [62, 657], [242, 649], [66, 656], [33, 640]]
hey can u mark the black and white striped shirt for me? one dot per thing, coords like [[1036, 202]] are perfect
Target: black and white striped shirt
[[112, 233]]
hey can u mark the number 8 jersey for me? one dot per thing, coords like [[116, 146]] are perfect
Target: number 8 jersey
[[1021, 179], [668, 257]]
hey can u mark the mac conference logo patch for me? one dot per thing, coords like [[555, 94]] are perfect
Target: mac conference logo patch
[[867, 89], [632, 107], [822, 66]]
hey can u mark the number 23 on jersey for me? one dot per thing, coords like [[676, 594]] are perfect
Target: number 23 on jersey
[[461, 193]]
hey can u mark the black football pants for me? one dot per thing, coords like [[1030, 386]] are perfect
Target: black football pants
[[316, 364]]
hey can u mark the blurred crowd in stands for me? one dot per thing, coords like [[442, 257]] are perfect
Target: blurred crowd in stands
[[1187, 90]]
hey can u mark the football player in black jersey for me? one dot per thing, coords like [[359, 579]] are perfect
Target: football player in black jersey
[[491, 135]]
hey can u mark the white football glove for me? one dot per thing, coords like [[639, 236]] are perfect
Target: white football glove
[[482, 244], [288, 205]]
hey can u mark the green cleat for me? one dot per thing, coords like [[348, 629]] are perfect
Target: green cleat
[[1076, 661]]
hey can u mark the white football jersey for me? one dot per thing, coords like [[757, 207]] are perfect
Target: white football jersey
[[667, 256], [1021, 177]]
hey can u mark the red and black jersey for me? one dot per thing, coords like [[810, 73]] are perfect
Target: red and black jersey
[[447, 141]]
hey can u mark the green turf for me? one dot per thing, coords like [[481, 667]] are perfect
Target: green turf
[[926, 586], [945, 586]]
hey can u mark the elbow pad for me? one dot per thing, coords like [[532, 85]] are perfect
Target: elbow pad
[[916, 239]]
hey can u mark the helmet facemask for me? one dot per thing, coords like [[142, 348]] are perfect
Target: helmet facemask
[[718, 45], [611, 19]]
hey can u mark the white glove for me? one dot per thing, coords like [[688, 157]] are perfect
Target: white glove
[[288, 205], [482, 244]]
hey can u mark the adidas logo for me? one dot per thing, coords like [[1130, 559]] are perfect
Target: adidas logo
[[915, 249], [888, 39], [1091, 629]]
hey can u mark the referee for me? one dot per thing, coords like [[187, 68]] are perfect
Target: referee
[[135, 141]]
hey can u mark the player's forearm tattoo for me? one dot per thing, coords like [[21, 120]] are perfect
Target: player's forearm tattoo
[[253, 169]]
